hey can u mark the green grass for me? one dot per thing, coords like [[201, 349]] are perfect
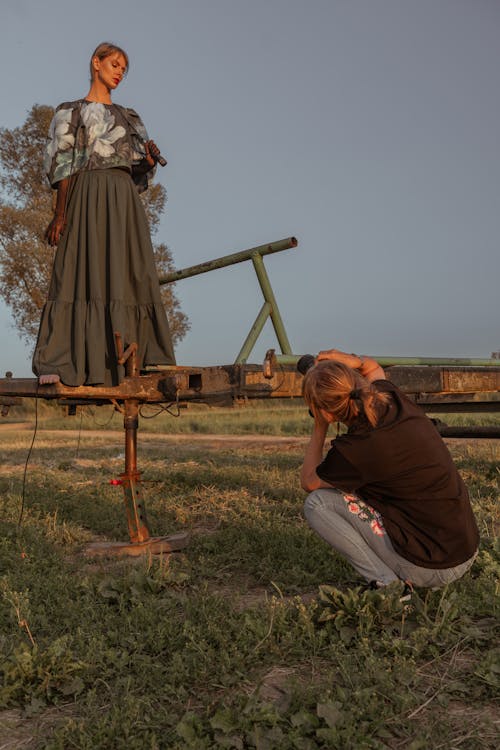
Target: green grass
[[227, 644]]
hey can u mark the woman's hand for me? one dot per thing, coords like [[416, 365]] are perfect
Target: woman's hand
[[58, 224], [152, 153], [148, 162], [366, 366], [55, 229], [351, 360]]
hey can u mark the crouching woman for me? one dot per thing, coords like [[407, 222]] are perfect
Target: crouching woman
[[387, 495]]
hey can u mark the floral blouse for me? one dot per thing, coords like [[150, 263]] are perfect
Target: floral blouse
[[90, 135]]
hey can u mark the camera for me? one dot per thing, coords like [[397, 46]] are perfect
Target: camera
[[305, 363]]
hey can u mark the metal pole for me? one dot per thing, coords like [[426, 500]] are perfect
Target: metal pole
[[254, 333], [138, 528], [268, 293], [229, 260], [471, 431], [292, 359], [131, 424]]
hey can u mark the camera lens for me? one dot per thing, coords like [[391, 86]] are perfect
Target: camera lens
[[305, 363]]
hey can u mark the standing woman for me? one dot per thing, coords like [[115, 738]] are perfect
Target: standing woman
[[387, 495], [98, 158]]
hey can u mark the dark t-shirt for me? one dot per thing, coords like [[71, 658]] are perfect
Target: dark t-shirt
[[403, 469]]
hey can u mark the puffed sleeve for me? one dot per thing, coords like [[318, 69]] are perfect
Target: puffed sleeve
[[139, 136], [61, 159]]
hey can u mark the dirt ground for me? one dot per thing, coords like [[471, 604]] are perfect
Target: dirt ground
[[158, 437]]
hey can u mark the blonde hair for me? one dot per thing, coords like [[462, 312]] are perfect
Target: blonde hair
[[104, 49], [342, 392]]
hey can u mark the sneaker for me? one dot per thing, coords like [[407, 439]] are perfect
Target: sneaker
[[407, 592], [373, 586]]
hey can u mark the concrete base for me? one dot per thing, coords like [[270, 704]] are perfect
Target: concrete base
[[155, 546]]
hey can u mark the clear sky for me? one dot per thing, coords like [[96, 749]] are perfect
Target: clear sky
[[369, 129]]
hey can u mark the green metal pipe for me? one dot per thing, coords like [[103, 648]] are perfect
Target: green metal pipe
[[253, 334], [389, 361], [229, 260], [443, 361], [268, 293]]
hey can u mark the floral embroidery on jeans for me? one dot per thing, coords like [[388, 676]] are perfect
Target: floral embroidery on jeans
[[365, 513], [377, 527]]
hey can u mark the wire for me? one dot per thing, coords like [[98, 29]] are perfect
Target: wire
[[21, 512], [101, 424], [161, 409]]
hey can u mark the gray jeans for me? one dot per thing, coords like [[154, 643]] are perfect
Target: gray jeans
[[357, 532]]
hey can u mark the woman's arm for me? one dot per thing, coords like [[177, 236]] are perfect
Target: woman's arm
[[309, 480], [58, 223], [368, 367]]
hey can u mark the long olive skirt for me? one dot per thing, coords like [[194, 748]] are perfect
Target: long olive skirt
[[104, 281]]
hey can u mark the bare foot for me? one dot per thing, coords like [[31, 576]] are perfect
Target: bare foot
[[48, 379]]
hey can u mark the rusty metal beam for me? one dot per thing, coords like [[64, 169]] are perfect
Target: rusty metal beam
[[430, 386]]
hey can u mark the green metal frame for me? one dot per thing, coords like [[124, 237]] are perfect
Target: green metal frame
[[270, 310], [270, 307], [285, 359]]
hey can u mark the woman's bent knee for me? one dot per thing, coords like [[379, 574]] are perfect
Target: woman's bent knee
[[320, 500], [310, 506], [311, 502]]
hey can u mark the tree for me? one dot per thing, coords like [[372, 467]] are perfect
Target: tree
[[26, 210]]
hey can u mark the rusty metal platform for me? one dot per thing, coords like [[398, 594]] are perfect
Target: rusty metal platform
[[435, 388]]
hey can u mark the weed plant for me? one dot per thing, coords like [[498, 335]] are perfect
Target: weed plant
[[255, 636]]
